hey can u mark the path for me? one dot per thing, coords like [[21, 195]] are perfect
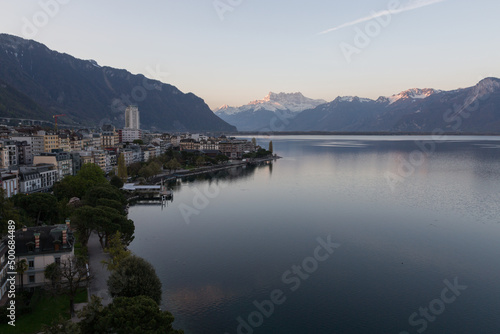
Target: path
[[98, 285]]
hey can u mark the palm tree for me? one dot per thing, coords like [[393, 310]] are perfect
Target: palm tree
[[21, 267]]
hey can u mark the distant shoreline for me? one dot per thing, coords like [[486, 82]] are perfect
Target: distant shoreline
[[328, 133]]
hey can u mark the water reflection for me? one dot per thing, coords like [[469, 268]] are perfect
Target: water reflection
[[398, 245]]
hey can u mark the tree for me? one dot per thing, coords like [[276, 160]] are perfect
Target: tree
[[254, 142], [86, 219], [90, 175], [173, 164], [146, 172], [38, 206], [134, 168], [7, 212], [90, 316], [73, 277], [135, 277], [126, 315], [21, 267], [116, 182], [200, 161], [138, 142], [122, 167], [271, 146], [52, 272], [61, 326], [155, 168], [117, 251], [221, 158], [105, 191]]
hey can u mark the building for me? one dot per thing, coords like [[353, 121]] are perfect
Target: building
[[8, 154], [37, 145], [235, 148], [76, 162], [63, 161], [132, 118], [50, 142], [37, 178], [41, 246], [76, 142], [109, 136], [189, 144], [29, 180], [25, 148], [9, 182], [100, 159], [65, 142], [25, 154], [129, 135]]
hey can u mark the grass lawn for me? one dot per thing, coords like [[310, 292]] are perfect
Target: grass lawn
[[46, 309]]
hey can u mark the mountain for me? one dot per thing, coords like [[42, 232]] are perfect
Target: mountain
[[474, 109], [90, 94], [271, 113], [13, 103]]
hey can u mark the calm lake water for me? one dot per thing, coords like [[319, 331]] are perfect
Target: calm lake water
[[416, 239]]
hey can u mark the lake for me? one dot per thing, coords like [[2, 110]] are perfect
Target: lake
[[344, 234]]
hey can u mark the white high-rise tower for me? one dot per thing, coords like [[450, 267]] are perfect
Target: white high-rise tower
[[132, 118]]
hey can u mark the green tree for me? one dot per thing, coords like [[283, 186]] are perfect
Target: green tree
[[155, 168], [38, 206], [116, 249], [271, 146], [173, 164], [138, 142], [200, 161], [105, 191], [61, 326], [7, 212], [146, 172], [52, 272], [86, 219], [134, 168], [21, 267], [254, 142], [221, 158], [112, 204], [90, 175], [135, 277], [116, 182], [126, 315], [122, 167], [90, 316]]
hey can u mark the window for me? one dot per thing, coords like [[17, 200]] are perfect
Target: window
[[31, 278], [31, 264]]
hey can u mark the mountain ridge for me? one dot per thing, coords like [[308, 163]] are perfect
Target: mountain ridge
[[90, 94], [411, 110]]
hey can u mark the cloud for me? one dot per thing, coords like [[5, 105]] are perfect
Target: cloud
[[412, 5]]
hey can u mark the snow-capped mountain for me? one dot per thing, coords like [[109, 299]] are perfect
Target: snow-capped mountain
[[475, 109], [259, 114]]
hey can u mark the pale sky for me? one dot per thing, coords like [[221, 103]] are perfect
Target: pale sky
[[235, 51]]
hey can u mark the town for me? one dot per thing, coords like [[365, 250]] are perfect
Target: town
[[33, 160]]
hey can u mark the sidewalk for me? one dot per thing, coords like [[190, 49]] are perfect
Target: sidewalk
[[98, 285]]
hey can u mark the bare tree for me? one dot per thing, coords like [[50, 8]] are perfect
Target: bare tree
[[71, 276]]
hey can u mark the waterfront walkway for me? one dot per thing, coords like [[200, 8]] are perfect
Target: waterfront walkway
[[99, 272]]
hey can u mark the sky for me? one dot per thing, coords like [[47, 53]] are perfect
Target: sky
[[236, 51]]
